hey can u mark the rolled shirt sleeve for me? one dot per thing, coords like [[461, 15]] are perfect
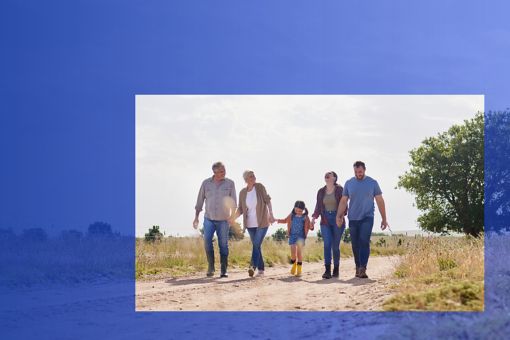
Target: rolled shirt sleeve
[[200, 198], [233, 194]]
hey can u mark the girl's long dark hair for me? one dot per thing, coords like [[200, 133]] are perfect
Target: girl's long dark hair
[[300, 205]]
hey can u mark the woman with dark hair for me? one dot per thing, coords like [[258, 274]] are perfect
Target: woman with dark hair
[[326, 207]]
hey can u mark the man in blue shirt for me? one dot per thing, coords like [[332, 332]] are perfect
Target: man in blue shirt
[[360, 191]]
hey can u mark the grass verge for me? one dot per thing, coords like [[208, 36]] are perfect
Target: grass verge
[[440, 274], [180, 256]]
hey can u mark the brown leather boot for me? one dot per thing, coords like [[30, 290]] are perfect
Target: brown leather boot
[[336, 271], [363, 273], [357, 272]]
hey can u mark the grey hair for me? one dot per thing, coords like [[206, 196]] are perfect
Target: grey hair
[[247, 173], [217, 165]]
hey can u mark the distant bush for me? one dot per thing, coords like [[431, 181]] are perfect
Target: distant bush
[[319, 236], [235, 232], [34, 234], [7, 235], [100, 229], [381, 242], [154, 235], [71, 235], [347, 236], [280, 235]]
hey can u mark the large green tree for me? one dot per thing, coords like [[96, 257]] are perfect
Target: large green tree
[[447, 176]]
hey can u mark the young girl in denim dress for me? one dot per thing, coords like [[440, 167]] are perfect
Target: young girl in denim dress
[[298, 225]]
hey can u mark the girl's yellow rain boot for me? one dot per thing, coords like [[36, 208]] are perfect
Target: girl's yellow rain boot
[[299, 269], [293, 269]]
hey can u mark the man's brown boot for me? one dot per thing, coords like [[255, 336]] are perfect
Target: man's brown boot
[[363, 273]]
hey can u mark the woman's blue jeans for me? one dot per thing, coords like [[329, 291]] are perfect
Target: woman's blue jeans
[[257, 237], [331, 234]]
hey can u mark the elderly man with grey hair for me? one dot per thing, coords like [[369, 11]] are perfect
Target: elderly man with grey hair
[[219, 194]]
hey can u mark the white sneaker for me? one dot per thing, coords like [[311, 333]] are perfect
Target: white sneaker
[[260, 273]]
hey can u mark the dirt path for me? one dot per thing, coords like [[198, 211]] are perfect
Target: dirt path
[[277, 290]]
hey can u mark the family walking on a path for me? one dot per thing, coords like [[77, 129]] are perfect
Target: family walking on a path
[[355, 200]]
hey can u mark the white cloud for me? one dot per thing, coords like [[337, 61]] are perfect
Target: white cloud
[[289, 141]]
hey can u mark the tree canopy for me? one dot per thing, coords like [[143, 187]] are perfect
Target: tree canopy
[[447, 176]]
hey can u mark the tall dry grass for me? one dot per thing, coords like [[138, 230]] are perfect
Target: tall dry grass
[[178, 256], [440, 274]]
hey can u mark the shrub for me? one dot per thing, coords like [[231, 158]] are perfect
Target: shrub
[[446, 263], [280, 235], [381, 243], [71, 235], [319, 236], [7, 235], [34, 234], [235, 232], [100, 229], [347, 236], [154, 234]]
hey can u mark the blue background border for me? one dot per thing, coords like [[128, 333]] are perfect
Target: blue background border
[[71, 70]]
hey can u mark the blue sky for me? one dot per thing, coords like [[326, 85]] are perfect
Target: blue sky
[[69, 81]]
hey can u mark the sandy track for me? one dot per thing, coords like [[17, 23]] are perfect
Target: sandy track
[[277, 290]]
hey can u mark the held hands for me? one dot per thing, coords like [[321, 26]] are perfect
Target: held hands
[[271, 219]]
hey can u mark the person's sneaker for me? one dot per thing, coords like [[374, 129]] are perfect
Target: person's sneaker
[[251, 271], [299, 269], [363, 273], [260, 273], [224, 275], [210, 274], [293, 269], [336, 271]]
